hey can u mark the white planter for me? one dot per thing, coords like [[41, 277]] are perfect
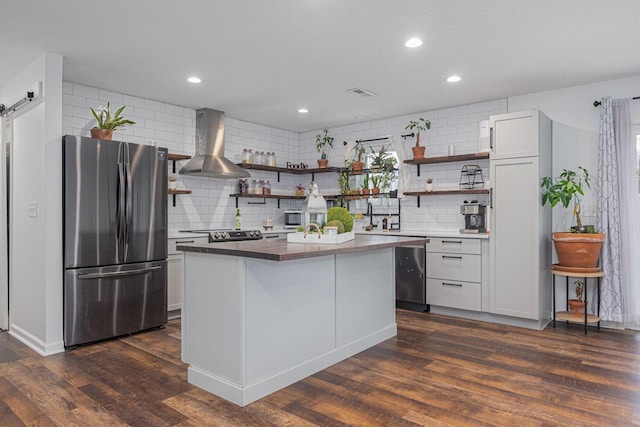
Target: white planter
[[315, 238], [428, 187]]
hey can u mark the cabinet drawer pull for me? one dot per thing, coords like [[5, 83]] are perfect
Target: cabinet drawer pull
[[458, 285], [186, 241], [457, 242], [451, 257]]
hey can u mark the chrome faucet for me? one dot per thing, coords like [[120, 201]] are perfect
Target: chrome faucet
[[370, 213]]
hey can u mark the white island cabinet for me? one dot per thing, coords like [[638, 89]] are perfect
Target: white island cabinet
[[261, 315]]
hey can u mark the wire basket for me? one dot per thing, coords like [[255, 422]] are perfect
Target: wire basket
[[471, 178]]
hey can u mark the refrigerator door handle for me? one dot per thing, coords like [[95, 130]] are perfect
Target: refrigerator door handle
[[118, 273], [128, 211], [120, 218]]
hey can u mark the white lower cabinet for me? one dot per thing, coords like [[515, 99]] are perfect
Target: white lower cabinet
[[175, 270], [454, 273]]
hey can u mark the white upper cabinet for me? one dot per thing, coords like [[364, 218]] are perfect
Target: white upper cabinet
[[515, 135]]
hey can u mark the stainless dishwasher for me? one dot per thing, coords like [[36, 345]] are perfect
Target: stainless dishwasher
[[411, 263]]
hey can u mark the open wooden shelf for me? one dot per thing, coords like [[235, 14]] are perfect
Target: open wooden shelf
[[174, 192], [576, 317], [419, 194], [447, 159], [175, 157], [293, 171]]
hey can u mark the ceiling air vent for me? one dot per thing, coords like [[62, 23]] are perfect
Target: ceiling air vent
[[360, 91]]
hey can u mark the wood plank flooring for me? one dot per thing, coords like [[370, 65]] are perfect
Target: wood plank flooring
[[438, 371]]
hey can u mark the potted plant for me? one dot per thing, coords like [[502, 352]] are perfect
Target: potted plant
[[343, 180], [359, 151], [375, 182], [324, 143], [429, 185], [581, 246], [365, 185], [299, 190], [107, 122], [578, 305], [381, 160], [419, 125]]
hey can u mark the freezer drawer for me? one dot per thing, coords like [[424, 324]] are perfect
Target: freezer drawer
[[106, 302]]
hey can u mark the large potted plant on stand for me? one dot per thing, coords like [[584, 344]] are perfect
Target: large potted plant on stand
[[419, 125], [324, 143], [108, 122], [580, 247]]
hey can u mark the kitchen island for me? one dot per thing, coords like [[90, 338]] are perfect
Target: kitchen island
[[260, 315]]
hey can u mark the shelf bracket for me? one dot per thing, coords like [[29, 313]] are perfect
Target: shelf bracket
[[418, 165], [174, 196], [418, 201]]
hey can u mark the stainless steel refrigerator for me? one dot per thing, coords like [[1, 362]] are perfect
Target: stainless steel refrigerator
[[115, 238]]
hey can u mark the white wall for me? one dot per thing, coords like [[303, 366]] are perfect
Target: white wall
[[36, 241], [458, 126], [576, 125], [209, 205], [165, 125]]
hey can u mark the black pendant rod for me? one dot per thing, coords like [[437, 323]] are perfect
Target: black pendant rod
[[380, 139], [598, 103]]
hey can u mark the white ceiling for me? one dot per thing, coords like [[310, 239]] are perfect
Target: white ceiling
[[262, 60]]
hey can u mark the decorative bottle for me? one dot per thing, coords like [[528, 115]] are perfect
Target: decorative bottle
[[238, 221]]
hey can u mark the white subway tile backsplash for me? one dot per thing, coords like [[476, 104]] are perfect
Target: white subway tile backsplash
[[209, 205]]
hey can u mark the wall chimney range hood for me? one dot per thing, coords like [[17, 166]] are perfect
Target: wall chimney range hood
[[209, 158]]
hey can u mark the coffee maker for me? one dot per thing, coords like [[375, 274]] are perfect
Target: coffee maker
[[474, 217]]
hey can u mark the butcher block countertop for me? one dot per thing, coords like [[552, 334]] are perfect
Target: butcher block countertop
[[281, 250]]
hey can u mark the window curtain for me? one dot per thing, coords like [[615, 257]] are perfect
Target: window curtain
[[618, 201]]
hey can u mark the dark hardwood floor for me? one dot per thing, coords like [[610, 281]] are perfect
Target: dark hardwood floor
[[438, 371]]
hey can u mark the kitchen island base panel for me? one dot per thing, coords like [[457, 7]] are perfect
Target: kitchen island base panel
[[243, 396], [253, 326]]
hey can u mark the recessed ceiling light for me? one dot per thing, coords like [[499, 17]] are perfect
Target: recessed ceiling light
[[453, 79], [303, 110], [194, 80], [413, 42]]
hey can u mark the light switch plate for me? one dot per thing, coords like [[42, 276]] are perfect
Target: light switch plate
[[32, 209]]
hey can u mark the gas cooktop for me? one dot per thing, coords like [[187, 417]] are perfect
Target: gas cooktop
[[228, 235]]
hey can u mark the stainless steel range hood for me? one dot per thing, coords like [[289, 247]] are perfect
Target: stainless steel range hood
[[209, 158]]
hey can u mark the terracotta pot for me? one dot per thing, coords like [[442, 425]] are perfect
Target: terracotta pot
[[418, 152], [299, 192], [101, 133], [322, 163], [357, 166], [366, 191], [375, 190], [576, 306], [578, 250]]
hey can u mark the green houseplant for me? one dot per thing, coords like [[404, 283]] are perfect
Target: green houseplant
[[108, 122], [358, 152], [419, 125], [365, 185], [578, 304], [324, 143], [581, 246]]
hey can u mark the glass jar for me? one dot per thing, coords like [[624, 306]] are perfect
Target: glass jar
[[260, 158], [271, 159], [256, 187], [266, 188], [247, 156]]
